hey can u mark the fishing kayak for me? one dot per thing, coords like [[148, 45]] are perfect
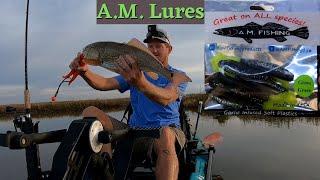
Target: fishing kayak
[[78, 155]]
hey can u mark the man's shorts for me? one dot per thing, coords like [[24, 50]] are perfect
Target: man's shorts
[[146, 143]]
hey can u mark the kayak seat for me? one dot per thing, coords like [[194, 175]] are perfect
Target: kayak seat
[[143, 160]]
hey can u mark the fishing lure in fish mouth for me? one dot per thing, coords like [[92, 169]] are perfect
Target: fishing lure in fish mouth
[[72, 75], [54, 98]]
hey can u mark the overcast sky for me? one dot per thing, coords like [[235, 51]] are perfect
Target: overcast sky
[[58, 29]]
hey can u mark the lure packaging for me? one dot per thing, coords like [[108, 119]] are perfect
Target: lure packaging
[[262, 58]]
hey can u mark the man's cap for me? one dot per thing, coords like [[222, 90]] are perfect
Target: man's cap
[[155, 33]]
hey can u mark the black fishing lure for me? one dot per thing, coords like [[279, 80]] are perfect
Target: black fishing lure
[[241, 86], [249, 97], [269, 69], [237, 93], [243, 71], [247, 84], [257, 71], [236, 103]]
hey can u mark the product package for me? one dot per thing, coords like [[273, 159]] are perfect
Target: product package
[[261, 58]]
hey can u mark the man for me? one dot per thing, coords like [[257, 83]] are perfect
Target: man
[[155, 101]]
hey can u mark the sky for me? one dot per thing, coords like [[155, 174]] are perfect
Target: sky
[[58, 30]]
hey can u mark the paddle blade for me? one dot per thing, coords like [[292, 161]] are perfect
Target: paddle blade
[[212, 139]]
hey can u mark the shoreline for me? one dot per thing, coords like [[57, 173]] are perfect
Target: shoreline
[[74, 108], [56, 109]]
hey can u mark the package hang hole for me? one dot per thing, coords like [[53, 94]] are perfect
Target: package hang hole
[[262, 7]]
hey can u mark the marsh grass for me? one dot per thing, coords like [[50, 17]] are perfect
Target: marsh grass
[[191, 101], [62, 108], [56, 109]]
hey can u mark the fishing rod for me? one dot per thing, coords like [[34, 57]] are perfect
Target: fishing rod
[[29, 137], [26, 91], [26, 125]]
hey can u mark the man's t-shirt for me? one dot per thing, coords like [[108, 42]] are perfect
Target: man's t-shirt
[[148, 113]]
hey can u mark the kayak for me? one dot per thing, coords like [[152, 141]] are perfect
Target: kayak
[[78, 155]]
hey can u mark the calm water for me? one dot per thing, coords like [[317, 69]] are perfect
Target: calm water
[[250, 150]]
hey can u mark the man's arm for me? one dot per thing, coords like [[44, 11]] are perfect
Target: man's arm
[[98, 82], [94, 80], [163, 96]]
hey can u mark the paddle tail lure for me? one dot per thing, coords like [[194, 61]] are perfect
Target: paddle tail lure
[[72, 75]]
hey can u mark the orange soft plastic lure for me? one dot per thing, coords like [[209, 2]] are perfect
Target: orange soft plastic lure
[[72, 75]]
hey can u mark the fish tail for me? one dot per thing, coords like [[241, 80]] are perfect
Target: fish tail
[[301, 32], [180, 77]]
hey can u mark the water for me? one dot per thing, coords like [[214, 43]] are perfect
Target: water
[[250, 149], [262, 150]]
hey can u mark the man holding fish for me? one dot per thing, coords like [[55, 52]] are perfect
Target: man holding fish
[[155, 92]]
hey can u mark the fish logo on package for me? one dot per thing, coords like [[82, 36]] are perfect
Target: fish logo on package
[[253, 30], [261, 28]]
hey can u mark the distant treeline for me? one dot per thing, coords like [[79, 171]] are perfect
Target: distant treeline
[[48, 109]]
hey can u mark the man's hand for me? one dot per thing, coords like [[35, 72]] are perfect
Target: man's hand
[[75, 64], [128, 67]]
